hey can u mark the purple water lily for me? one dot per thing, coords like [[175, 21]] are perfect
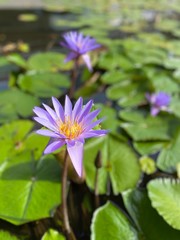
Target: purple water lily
[[159, 102], [69, 126], [79, 45]]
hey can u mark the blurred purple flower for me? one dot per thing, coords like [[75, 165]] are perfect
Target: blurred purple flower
[[79, 45], [158, 101], [69, 126]]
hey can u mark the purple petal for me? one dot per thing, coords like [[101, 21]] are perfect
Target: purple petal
[[93, 124], [68, 107], [154, 111], [58, 108], [90, 117], [41, 113], [94, 133], [70, 56], [46, 123], [50, 111], [85, 110], [49, 133], [77, 108], [87, 61], [53, 145], [76, 155]]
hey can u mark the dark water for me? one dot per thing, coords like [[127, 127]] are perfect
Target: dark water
[[38, 34]]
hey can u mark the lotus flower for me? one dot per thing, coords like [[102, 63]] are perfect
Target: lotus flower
[[70, 126], [159, 102], [79, 45]]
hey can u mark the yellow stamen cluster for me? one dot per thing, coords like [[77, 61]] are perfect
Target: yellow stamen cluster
[[70, 129]]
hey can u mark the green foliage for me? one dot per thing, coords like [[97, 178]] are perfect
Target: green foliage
[[52, 235], [109, 222], [164, 195], [48, 62], [29, 188], [115, 166], [6, 235], [147, 165], [169, 156], [44, 84], [150, 225]]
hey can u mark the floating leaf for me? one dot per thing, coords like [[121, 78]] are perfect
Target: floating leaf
[[30, 189], [150, 129], [17, 59], [145, 148], [43, 84], [169, 156], [12, 136], [165, 195], [121, 89], [110, 223], [110, 122], [52, 234], [131, 115], [172, 63], [162, 82], [114, 76], [150, 225], [7, 236], [21, 103], [118, 163], [48, 62]]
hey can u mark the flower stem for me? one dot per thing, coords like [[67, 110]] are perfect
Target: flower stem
[[68, 231], [73, 78]]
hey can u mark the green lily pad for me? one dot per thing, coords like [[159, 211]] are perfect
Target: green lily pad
[[165, 195], [30, 189], [13, 141], [8, 236], [145, 148], [48, 62], [121, 89], [110, 120], [115, 166], [164, 83], [52, 234], [21, 103], [17, 59], [150, 225], [169, 156], [43, 84], [112, 60], [172, 63], [7, 113], [109, 223], [152, 128], [114, 76], [131, 115]]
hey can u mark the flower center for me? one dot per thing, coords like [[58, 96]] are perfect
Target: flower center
[[70, 129]]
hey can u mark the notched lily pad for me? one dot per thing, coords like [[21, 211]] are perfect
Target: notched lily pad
[[115, 167], [49, 62], [43, 84], [30, 189], [21, 103]]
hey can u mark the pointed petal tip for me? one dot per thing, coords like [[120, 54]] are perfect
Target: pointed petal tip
[[76, 156]]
